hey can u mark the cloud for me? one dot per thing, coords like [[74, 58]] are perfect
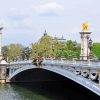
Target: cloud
[[51, 8]]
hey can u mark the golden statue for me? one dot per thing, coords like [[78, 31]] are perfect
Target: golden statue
[[85, 27]]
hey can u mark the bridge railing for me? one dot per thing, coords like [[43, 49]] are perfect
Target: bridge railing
[[63, 61], [78, 62], [21, 62]]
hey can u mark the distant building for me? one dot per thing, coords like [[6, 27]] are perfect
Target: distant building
[[45, 33], [60, 39]]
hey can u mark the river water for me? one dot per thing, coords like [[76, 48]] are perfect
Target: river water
[[41, 92], [15, 92]]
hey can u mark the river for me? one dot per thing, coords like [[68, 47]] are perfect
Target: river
[[37, 91]]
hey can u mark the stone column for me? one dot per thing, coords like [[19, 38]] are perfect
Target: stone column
[[3, 71], [2, 62], [85, 50], [3, 74], [0, 42]]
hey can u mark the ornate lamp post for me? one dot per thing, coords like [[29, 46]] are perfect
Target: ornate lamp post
[[90, 46]]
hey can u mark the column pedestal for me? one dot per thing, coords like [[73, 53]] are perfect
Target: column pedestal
[[85, 50]]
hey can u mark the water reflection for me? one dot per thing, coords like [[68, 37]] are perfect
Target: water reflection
[[44, 91], [15, 92]]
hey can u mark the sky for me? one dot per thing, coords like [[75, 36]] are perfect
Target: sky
[[24, 21]]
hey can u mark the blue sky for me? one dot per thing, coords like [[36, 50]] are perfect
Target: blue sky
[[24, 21]]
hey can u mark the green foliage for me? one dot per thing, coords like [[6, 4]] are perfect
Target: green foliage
[[70, 44], [5, 52], [43, 47], [48, 47], [78, 50], [12, 51], [96, 49]]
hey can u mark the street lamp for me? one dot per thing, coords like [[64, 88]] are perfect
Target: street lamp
[[90, 47], [90, 43]]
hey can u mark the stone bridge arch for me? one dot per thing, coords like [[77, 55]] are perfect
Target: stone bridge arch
[[60, 71]]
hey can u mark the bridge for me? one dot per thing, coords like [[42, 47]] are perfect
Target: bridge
[[85, 73]]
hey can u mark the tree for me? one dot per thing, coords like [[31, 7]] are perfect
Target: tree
[[5, 52], [96, 49], [27, 52], [22, 54], [70, 44], [14, 51], [42, 47]]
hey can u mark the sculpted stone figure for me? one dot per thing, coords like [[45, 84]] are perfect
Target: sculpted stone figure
[[85, 27]]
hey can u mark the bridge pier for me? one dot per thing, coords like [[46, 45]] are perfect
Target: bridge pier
[[3, 74], [3, 70]]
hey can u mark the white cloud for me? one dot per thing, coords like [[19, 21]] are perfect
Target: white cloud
[[49, 8]]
